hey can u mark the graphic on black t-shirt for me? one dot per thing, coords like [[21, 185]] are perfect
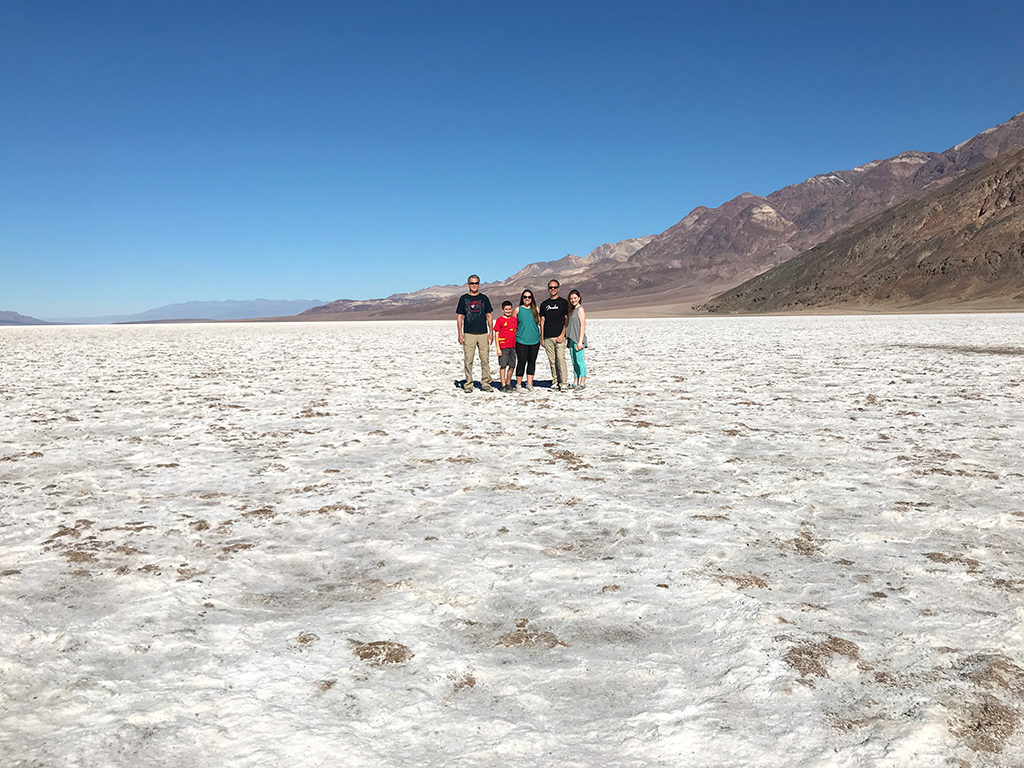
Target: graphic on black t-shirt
[[475, 308]]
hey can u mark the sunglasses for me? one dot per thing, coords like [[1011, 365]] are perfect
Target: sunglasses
[[552, 287], [474, 282], [527, 296]]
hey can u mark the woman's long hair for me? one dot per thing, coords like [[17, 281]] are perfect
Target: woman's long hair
[[571, 307], [533, 303]]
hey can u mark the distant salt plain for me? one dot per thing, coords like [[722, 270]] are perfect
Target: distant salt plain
[[778, 542]]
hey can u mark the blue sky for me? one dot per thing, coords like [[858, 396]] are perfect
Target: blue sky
[[157, 152]]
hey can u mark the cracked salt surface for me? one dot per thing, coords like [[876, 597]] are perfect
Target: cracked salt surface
[[775, 541]]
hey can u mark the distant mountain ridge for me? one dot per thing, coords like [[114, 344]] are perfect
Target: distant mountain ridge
[[961, 244], [713, 249], [13, 318], [228, 309], [436, 301]]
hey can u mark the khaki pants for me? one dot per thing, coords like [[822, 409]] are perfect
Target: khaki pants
[[477, 342], [556, 356]]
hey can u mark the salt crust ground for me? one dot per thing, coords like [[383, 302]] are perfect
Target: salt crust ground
[[776, 541]]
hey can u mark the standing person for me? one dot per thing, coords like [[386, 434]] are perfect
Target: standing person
[[576, 333], [553, 312], [505, 343], [476, 332], [527, 338]]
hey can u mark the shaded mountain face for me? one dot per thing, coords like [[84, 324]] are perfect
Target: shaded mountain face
[[961, 244], [713, 249], [750, 234], [13, 318]]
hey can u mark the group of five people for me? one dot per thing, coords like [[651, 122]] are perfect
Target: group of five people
[[555, 323]]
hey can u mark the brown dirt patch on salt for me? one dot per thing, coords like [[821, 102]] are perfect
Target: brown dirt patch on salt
[[992, 671], [810, 658], [939, 557], [984, 725], [523, 637], [744, 581], [380, 653]]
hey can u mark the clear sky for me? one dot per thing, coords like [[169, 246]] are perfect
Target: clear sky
[[156, 152]]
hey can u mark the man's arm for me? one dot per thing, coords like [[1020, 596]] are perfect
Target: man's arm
[[542, 328], [458, 324], [490, 329]]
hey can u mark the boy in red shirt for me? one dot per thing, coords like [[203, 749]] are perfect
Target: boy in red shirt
[[505, 342]]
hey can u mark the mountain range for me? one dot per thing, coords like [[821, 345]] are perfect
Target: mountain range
[[205, 310], [961, 245], [916, 230], [711, 250], [13, 318], [436, 301]]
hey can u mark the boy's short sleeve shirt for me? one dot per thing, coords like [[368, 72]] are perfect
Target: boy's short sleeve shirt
[[505, 328], [475, 308]]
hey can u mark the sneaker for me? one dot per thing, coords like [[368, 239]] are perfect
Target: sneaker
[[528, 387], [486, 389], [580, 387], [467, 390]]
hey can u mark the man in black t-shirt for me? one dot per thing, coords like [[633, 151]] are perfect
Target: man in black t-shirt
[[476, 332], [553, 313]]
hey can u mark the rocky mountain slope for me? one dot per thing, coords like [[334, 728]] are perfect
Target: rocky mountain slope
[[713, 249], [959, 245], [749, 234]]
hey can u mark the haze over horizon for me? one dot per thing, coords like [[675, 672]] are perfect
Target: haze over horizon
[[156, 155]]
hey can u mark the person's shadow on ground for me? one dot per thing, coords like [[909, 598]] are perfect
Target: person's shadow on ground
[[537, 383]]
